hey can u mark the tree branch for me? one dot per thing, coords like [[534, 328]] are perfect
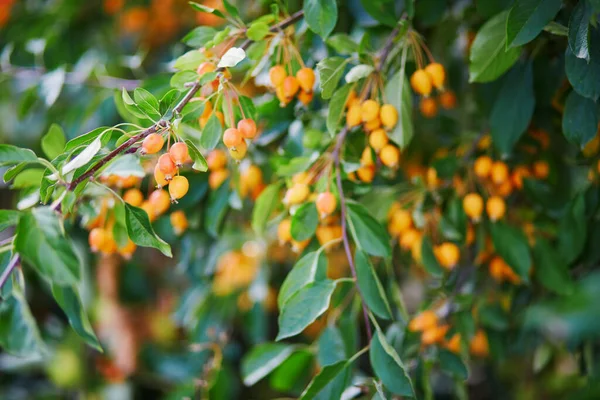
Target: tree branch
[[9, 269]]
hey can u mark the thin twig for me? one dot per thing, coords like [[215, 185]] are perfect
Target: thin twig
[[9, 269]]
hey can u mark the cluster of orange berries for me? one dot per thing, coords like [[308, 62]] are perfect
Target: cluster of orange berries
[[235, 270], [424, 80], [157, 204], [429, 106], [166, 171], [235, 138], [289, 86], [434, 333]]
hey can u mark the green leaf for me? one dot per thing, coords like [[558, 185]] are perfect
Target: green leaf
[[181, 78], [337, 106], [200, 163], [296, 368], [199, 36], [146, 102], [527, 18], [211, 134], [584, 76], [383, 11], [231, 9], [580, 119], [550, 269], [189, 61], [8, 218], [130, 105], [31, 177], [330, 72], [321, 16], [453, 364], [218, 204], [124, 166], [53, 142], [41, 242], [305, 221], [140, 230], [323, 378], [489, 58], [572, 230], [342, 43], [10, 155], [513, 108], [264, 207], [579, 30], [86, 138], [263, 359], [168, 102], [304, 307], [511, 244], [209, 10], [331, 348], [257, 31], [370, 286], [388, 366], [398, 93], [430, 262], [309, 269], [19, 334], [68, 299], [369, 235]]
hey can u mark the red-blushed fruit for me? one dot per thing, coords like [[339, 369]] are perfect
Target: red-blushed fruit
[[232, 138], [178, 187], [179, 153], [133, 197], [306, 79], [159, 201], [167, 166], [247, 128], [153, 143], [326, 203]]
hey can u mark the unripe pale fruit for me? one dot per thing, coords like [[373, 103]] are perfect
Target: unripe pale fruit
[[305, 97], [232, 138], [290, 86], [179, 222], [216, 159], [179, 153], [473, 206], [159, 177], [178, 187], [421, 83], [306, 79], [239, 151], [96, 239], [167, 166], [326, 203], [217, 177], [483, 167], [378, 139], [277, 75], [369, 110], [437, 75], [499, 172], [353, 117], [160, 202], [447, 254], [495, 207], [153, 143], [133, 197], [284, 231], [428, 107], [388, 115], [296, 194], [247, 128], [390, 155], [448, 100]]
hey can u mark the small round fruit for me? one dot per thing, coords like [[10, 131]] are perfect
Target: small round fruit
[[232, 138], [353, 117], [305, 97], [159, 177], [437, 75], [153, 143], [378, 139], [277, 74], [428, 107], [296, 194], [408, 238], [149, 208], [239, 151], [306, 79], [290, 86], [326, 203], [499, 172], [454, 344], [448, 100], [541, 169], [421, 83], [252, 176], [372, 125], [217, 177], [495, 207], [284, 231], [179, 222], [473, 206], [518, 174], [388, 115], [127, 251], [133, 197], [247, 128], [496, 268], [434, 335], [216, 159], [366, 173], [167, 166], [178, 187], [97, 238], [369, 110], [400, 222], [483, 167], [390, 155], [423, 321], [160, 202], [479, 344], [447, 254], [179, 153]]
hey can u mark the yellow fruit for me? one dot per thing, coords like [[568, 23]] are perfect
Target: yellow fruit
[[97, 238], [372, 125], [432, 178], [408, 238], [149, 208], [428, 107], [326, 203], [252, 177], [305, 97], [388, 115], [133, 197], [499, 172], [421, 83], [302, 177], [366, 157], [483, 167], [454, 344], [369, 110], [495, 207], [178, 187], [326, 234], [485, 142], [297, 194], [277, 75], [153, 143], [390, 155], [159, 177], [447, 255], [473, 206], [353, 117], [479, 344], [366, 173], [239, 151], [216, 178], [66, 369], [436, 74], [400, 222], [434, 335], [378, 139], [128, 250], [306, 79], [179, 222], [284, 231], [423, 321]]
